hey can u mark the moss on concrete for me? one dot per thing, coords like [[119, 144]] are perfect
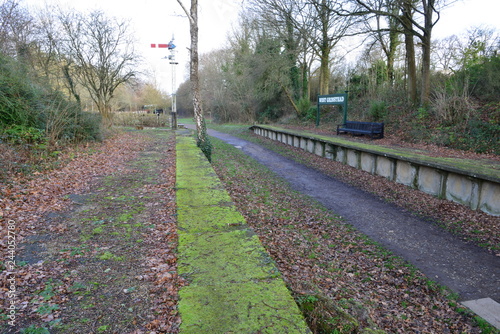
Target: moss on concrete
[[248, 307], [234, 286], [196, 219], [225, 258]]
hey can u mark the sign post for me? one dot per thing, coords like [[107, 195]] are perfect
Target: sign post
[[171, 46], [332, 99]]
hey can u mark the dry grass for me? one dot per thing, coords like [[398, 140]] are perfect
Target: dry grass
[[137, 119]]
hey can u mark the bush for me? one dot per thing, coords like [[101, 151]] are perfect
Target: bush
[[18, 95], [451, 109], [271, 113], [483, 79], [64, 121], [304, 106], [378, 111], [482, 137], [32, 113], [311, 114], [23, 135], [88, 128]]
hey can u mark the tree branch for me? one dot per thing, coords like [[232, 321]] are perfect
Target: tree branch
[[191, 19]]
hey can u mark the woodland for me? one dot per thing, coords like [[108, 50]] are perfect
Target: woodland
[[66, 73], [285, 53]]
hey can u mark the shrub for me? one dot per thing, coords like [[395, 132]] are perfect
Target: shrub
[[23, 135], [18, 95], [378, 111], [30, 111], [304, 106], [64, 120], [271, 113], [451, 109], [88, 128], [482, 137], [483, 78]]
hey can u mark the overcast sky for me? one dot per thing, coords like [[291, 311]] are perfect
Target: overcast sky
[[155, 21]]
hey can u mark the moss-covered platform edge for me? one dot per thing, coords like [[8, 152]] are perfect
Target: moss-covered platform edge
[[488, 170], [233, 284]]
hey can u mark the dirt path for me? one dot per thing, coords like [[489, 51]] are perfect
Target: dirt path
[[468, 270], [107, 265]]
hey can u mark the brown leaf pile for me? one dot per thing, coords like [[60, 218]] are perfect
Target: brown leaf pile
[[28, 200]]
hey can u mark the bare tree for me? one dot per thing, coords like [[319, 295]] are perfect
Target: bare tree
[[387, 34], [202, 138], [281, 19], [99, 50], [15, 29], [417, 19], [324, 30], [49, 53], [407, 22]]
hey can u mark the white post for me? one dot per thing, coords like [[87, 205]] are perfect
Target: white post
[[174, 95]]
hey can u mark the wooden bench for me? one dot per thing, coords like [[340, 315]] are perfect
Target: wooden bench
[[374, 130]]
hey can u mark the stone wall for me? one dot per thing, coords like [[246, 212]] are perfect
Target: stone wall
[[459, 185]]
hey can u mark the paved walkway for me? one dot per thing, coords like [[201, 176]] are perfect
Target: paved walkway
[[468, 270]]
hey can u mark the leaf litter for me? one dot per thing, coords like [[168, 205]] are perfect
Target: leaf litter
[[322, 258], [126, 282], [96, 240]]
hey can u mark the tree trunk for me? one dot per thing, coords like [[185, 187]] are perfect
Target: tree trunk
[[291, 49], [201, 131], [391, 54], [426, 54], [324, 72], [410, 52], [412, 67], [291, 100], [193, 74], [71, 85], [305, 80], [426, 72]]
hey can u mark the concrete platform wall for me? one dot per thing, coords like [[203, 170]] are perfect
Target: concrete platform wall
[[475, 192]]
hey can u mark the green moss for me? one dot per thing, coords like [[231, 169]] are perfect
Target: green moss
[[110, 256], [234, 286], [237, 254], [125, 217], [97, 230], [266, 307], [208, 218]]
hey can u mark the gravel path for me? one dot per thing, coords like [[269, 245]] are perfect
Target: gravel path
[[466, 269]]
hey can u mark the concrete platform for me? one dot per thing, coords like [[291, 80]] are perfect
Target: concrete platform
[[234, 285], [473, 183], [486, 308]]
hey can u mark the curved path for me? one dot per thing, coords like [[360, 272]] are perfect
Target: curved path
[[466, 269]]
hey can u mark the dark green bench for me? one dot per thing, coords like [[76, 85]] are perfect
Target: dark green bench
[[374, 130]]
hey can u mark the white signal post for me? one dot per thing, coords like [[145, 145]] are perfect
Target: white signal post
[[173, 62]]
